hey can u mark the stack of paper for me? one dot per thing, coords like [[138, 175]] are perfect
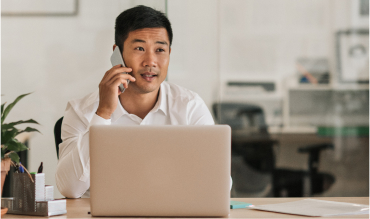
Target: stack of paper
[[49, 193], [39, 186]]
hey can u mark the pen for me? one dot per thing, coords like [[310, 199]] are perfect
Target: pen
[[236, 204], [21, 170], [40, 168]]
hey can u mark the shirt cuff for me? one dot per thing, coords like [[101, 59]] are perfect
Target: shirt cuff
[[97, 120]]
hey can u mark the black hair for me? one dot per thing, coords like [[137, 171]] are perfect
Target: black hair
[[139, 17]]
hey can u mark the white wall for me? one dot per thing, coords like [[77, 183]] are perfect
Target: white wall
[[195, 52], [261, 40]]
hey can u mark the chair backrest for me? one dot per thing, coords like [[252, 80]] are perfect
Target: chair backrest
[[240, 116], [57, 134]]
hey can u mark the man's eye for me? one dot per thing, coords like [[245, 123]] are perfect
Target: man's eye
[[139, 48], [160, 50]]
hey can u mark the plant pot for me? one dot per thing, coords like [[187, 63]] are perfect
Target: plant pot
[[3, 211], [5, 167]]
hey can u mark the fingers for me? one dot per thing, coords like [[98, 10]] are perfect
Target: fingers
[[123, 76], [107, 72], [118, 79], [113, 71]]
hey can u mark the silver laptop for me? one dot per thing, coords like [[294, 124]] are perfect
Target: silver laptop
[[160, 170]]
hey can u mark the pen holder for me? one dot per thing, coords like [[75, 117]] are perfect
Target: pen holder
[[26, 192], [33, 198]]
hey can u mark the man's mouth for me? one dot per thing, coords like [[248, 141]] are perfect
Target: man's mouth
[[148, 76]]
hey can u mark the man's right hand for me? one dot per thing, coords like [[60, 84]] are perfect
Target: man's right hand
[[109, 90]]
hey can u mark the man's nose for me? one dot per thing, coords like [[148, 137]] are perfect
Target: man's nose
[[150, 60]]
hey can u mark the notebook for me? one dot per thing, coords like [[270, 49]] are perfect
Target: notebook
[[316, 208]]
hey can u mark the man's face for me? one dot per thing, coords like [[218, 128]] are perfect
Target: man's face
[[147, 52]]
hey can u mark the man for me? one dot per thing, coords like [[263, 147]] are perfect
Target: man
[[144, 36]]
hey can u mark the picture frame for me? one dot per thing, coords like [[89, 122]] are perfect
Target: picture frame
[[352, 54], [39, 8]]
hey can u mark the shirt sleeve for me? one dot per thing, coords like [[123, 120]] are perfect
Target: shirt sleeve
[[198, 113], [73, 169]]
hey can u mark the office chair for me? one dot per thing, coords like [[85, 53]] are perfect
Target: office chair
[[57, 134], [253, 159]]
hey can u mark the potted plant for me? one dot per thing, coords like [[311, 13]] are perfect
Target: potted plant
[[9, 144]]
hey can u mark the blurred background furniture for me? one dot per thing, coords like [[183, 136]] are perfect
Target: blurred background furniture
[[57, 134], [253, 157]]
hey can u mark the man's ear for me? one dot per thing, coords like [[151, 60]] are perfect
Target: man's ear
[[114, 46], [170, 50]]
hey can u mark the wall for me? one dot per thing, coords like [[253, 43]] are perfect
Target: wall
[[195, 53]]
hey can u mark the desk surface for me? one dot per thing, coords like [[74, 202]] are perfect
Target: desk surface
[[78, 208]]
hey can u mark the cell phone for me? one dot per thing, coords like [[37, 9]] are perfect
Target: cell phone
[[116, 59]]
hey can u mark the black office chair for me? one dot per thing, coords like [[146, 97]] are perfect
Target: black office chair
[[57, 134], [253, 158]]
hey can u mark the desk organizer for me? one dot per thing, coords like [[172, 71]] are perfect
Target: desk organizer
[[33, 198]]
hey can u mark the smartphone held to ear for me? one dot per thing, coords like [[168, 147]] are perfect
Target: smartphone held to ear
[[116, 59]]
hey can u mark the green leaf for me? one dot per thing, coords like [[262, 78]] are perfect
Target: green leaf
[[16, 146], [2, 108], [29, 129], [3, 149], [14, 157], [10, 107], [10, 125], [7, 135]]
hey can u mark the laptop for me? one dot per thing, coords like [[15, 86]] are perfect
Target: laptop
[[160, 170]]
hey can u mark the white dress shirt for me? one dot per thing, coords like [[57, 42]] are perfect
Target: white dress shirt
[[175, 106]]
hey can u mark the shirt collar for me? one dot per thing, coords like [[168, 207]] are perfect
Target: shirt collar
[[161, 104], [162, 101], [120, 111]]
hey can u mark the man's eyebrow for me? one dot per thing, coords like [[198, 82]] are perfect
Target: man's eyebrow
[[143, 41], [162, 42], [138, 41]]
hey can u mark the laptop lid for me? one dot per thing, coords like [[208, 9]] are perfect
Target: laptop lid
[[160, 170]]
